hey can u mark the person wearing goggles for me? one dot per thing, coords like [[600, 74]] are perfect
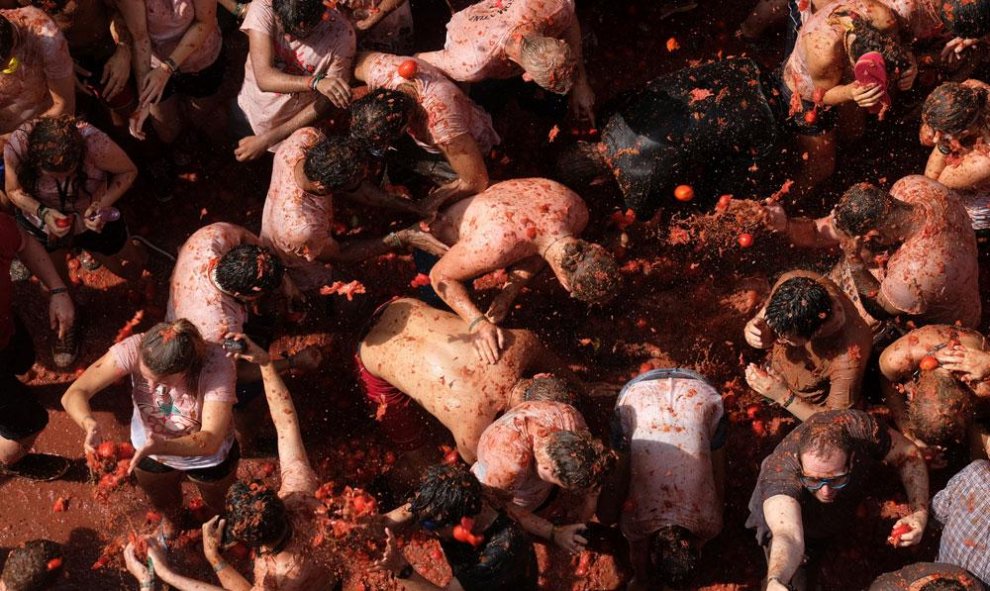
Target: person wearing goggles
[[809, 489]]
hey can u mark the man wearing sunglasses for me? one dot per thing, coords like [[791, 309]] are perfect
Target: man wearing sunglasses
[[810, 486]]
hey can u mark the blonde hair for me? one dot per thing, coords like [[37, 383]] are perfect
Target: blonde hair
[[550, 62]]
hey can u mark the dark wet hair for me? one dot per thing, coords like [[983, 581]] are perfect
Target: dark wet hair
[[446, 494], [6, 38], [868, 38], [592, 272], [380, 117], [966, 18], [249, 270], [941, 584], [53, 144], [255, 515], [335, 162], [674, 555], [173, 348], [298, 17], [862, 208], [952, 107], [548, 389], [579, 460], [941, 410], [26, 568], [821, 437], [798, 307]]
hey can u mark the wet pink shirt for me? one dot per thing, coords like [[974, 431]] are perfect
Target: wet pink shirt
[[329, 49], [97, 145], [392, 34], [670, 424], [935, 274], [296, 566], [43, 55], [523, 209], [505, 450], [444, 112], [168, 21], [477, 36], [175, 412], [296, 224], [193, 296]]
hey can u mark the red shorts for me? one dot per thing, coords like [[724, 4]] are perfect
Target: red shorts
[[397, 413]]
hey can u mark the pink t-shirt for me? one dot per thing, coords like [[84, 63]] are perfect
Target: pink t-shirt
[[95, 180], [193, 296], [392, 34], [444, 112], [505, 450], [296, 224], [43, 55], [295, 568], [477, 36], [669, 424], [175, 412], [168, 21], [934, 275], [329, 49]]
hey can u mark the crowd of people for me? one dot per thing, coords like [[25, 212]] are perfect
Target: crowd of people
[[894, 323]]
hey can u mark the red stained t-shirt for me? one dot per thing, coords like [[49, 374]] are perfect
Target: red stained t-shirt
[[10, 244]]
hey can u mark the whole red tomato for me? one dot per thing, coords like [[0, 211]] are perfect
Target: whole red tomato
[[407, 69]]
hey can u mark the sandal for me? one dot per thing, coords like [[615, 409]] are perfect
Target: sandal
[[38, 467]]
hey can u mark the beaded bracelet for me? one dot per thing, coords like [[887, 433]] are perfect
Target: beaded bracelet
[[220, 566], [315, 81]]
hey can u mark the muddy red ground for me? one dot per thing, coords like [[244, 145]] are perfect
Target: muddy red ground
[[683, 305]]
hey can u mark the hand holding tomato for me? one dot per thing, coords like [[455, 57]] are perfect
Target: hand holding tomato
[[909, 530]]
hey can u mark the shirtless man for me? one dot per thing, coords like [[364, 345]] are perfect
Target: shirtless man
[[534, 450], [956, 123], [819, 346], [415, 353], [818, 76], [948, 402], [522, 224], [445, 123], [100, 43], [931, 274], [36, 77], [309, 170], [540, 39]]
